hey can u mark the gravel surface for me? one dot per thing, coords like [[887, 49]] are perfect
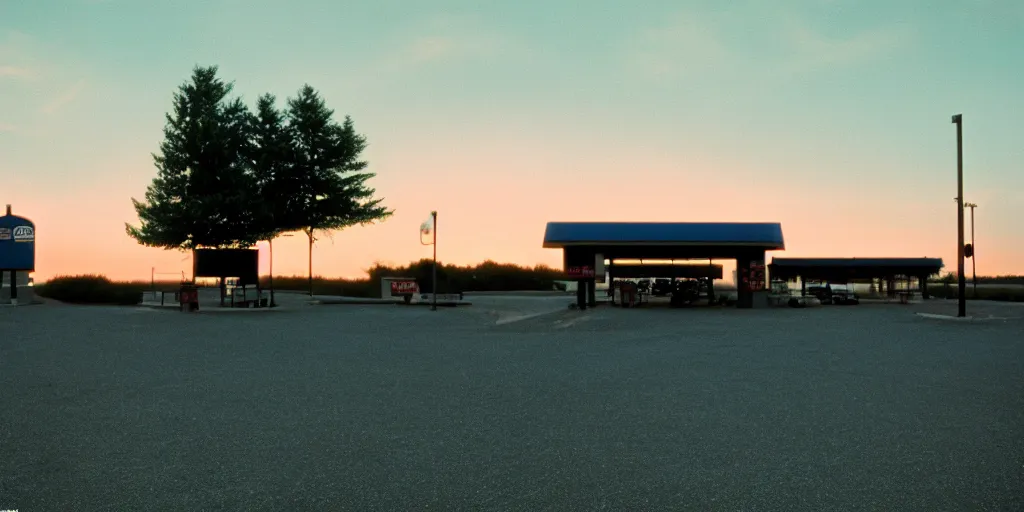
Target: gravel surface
[[397, 408]]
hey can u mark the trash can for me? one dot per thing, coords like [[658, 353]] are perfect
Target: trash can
[[188, 297], [627, 294]]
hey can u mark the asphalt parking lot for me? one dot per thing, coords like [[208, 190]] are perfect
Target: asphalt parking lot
[[510, 404]]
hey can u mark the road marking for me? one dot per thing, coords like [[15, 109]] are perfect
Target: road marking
[[961, 318], [563, 324]]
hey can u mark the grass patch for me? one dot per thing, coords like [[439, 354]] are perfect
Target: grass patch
[[323, 286], [90, 290], [942, 291]]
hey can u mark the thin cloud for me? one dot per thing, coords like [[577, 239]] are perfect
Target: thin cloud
[[688, 44], [444, 40], [67, 97], [812, 49], [16, 72], [691, 44], [10, 128], [427, 49]]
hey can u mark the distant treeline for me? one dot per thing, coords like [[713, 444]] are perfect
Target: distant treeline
[[487, 276], [1011, 280]]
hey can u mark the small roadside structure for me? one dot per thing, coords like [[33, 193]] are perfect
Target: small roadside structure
[[17, 257], [587, 245], [400, 288], [237, 267], [893, 277]]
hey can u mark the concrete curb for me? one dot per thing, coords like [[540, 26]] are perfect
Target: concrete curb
[[936, 316], [333, 300], [211, 309], [31, 301], [439, 303], [519, 318]]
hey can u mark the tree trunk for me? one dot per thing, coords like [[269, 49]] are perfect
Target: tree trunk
[[310, 235], [271, 243]]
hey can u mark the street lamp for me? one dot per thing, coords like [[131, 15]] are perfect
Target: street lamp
[[961, 281], [974, 252]]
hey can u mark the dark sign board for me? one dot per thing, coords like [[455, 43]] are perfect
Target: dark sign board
[[404, 287], [221, 263], [17, 243], [580, 272], [754, 276]]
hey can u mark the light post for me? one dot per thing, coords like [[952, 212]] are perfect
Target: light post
[[974, 253], [270, 243], [961, 279], [433, 303]]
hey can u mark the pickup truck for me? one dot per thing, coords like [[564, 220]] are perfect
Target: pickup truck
[[839, 294]]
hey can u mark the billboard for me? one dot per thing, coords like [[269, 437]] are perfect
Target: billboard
[[17, 243], [241, 263]]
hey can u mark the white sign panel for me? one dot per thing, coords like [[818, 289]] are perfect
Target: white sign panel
[[24, 234]]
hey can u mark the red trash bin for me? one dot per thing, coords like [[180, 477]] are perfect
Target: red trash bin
[[188, 297]]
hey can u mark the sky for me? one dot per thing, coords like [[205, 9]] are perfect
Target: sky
[[832, 117]]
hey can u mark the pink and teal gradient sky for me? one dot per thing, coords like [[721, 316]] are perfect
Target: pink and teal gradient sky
[[830, 116]]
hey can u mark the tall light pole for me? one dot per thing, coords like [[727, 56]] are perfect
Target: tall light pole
[[433, 303], [961, 279], [974, 252]]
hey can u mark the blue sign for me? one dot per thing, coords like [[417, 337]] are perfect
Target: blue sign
[[17, 243]]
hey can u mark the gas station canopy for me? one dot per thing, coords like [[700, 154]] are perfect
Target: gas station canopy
[[665, 240]]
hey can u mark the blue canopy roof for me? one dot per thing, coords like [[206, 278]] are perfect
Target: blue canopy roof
[[759, 234]]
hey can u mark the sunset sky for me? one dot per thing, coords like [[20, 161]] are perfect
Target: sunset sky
[[829, 116]]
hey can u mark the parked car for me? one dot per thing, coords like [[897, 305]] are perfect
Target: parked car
[[661, 287], [686, 293], [840, 294], [821, 292], [844, 295]]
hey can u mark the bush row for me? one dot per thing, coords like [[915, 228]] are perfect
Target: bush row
[[91, 290], [487, 276]]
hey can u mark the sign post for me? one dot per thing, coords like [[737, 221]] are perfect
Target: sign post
[[971, 253], [583, 274], [429, 229], [17, 248], [958, 120]]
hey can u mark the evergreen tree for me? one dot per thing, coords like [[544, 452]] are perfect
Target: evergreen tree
[[327, 178], [204, 194], [271, 162]]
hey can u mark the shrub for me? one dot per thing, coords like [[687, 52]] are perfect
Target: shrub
[[324, 286], [487, 276], [1008, 294], [90, 290]]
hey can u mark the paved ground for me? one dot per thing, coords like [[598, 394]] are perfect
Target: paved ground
[[399, 408]]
